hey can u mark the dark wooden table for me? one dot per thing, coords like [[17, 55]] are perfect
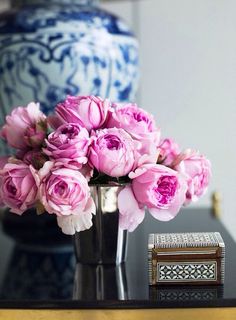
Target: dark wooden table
[[47, 277]]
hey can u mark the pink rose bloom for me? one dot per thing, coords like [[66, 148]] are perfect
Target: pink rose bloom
[[159, 188], [68, 144], [112, 152], [168, 151], [197, 168], [88, 111], [19, 124], [140, 125], [132, 119], [18, 188], [63, 191]]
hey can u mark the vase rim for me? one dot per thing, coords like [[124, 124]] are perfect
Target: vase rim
[[115, 184]]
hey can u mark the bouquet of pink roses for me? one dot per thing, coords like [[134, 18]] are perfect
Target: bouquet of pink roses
[[90, 141]]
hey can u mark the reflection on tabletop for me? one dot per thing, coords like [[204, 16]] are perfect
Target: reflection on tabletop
[[39, 273], [47, 270]]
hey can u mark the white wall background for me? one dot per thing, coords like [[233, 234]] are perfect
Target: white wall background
[[188, 53]]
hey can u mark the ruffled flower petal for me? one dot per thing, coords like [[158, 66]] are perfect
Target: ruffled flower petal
[[168, 214], [131, 215], [79, 222]]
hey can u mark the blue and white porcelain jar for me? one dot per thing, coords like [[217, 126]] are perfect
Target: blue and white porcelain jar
[[50, 49]]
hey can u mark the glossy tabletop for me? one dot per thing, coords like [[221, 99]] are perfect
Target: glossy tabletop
[[45, 275]]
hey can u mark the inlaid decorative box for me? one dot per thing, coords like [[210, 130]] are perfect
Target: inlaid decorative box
[[186, 258]]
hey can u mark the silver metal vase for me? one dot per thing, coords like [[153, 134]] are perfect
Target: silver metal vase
[[104, 242], [100, 282]]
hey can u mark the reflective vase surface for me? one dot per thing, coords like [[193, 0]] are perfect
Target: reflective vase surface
[[100, 282], [104, 242], [39, 272]]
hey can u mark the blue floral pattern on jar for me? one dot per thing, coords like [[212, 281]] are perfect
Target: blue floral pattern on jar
[[49, 51]]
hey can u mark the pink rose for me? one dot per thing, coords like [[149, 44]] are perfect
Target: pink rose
[[18, 188], [63, 191], [140, 125], [88, 111], [112, 152], [198, 171], [159, 188], [132, 119], [168, 151], [68, 144], [17, 129]]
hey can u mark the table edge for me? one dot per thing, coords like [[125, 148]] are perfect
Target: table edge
[[151, 314]]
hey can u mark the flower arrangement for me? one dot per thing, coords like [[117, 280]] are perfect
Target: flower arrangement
[[90, 141]]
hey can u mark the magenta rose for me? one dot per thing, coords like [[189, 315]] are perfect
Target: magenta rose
[[112, 152], [24, 127], [18, 188], [63, 191], [68, 144], [159, 188], [197, 168], [88, 111], [168, 151], [140, 125]]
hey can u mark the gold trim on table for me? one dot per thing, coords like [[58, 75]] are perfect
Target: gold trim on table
[[147, 314]]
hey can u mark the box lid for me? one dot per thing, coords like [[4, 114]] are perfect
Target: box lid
[[185, 240], [190, 258]]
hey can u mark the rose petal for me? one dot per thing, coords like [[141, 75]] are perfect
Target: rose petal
[[130, 213], [172, 211], [79, 222], [48, 165], [138, 172]]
